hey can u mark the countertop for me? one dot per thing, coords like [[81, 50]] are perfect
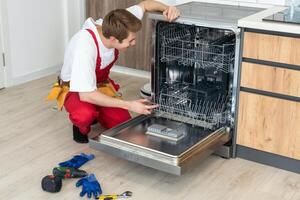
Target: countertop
[[255, 22]]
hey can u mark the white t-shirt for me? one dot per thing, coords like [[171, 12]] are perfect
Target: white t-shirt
[[81, 53]]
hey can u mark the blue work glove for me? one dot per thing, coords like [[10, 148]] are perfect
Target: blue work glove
[[90, 186], [77, 161]]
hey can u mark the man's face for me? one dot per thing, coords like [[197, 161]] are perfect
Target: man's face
[[127, 42]]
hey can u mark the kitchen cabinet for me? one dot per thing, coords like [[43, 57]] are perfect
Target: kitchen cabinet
[[269, 124], [139, 56], [269, 98], [273, 48], [271, 79]]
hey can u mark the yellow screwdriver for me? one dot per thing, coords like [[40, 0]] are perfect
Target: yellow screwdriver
[[126, 194]]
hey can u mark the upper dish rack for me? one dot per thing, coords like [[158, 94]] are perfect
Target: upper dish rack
[[201, 48]]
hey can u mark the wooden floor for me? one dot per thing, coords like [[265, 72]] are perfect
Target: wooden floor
[[34, 138]]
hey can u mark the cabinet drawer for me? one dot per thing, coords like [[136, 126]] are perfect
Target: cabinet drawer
[[272, 48], [271, 79], [130, 141], [269, 124]]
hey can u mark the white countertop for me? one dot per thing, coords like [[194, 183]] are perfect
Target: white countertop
[[255, 22]]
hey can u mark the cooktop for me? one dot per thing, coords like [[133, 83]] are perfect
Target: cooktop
[[285, 16]]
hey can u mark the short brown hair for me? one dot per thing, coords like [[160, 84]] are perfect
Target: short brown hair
[[118, 23]]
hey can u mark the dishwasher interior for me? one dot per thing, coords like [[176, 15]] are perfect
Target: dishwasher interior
[[193, 74], [194, 80]]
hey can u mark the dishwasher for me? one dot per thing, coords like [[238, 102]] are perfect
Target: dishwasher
[[194, 77]]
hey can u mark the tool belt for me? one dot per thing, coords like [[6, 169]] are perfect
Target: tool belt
[[60, 90]]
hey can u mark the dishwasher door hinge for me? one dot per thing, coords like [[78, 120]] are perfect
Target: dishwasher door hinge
[[3, 59]]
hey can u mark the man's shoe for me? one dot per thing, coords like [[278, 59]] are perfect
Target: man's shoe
[[78, 136]]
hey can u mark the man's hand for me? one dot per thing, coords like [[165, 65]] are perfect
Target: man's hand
[[141, 106], [171, 13]]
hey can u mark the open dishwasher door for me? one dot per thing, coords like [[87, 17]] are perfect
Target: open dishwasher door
[[131, 142], [194, 80]]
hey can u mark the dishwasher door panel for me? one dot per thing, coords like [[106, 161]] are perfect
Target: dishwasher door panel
[[131, 142]]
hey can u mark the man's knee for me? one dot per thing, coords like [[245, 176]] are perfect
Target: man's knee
[[115, 118], [124, 117], [84, 116], [120, 115]]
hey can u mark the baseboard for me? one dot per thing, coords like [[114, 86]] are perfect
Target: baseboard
[[55, 70], [270, 159], [35, 75], [132, 72]]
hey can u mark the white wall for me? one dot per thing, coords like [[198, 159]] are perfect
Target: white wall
[[76, 15], [35, 35]]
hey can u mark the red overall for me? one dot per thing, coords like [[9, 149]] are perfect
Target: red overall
[[83, 114]]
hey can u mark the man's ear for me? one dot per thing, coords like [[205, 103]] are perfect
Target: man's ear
[[113, 39]]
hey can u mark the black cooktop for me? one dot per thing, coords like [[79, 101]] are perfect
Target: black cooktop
[[285, 16]]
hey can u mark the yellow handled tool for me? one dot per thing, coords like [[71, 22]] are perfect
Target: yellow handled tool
[[126, 194]]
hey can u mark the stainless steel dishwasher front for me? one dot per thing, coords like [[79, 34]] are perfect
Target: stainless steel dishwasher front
[[130, 141]]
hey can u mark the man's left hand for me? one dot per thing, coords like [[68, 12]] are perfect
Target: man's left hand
[[171, 13]]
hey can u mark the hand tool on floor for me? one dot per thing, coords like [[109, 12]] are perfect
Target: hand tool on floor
[[68, 172], [51, 183], [124, 195]]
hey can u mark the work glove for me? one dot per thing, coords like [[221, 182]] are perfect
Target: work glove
[[90, 186], [77, 161]]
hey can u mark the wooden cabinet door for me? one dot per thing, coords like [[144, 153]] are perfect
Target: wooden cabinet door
[[271, 79], [272, 48], [139, 56], [269, 124]]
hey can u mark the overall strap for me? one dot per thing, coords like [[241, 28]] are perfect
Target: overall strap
[[98, 61]]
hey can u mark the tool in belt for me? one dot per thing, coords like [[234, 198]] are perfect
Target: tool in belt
[[60, 90]]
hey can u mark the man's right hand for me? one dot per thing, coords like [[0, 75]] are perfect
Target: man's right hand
[[142, 106]]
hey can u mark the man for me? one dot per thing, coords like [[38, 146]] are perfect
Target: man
[[88, 59]]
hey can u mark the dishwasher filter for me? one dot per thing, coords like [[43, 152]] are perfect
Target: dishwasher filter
[[165, 132]]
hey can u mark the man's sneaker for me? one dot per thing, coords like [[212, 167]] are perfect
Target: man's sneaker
[[78, 136]]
